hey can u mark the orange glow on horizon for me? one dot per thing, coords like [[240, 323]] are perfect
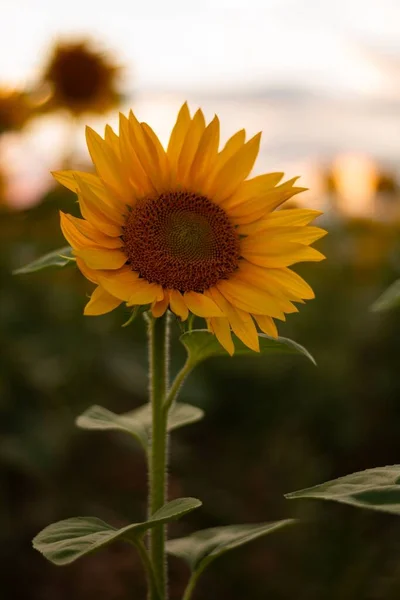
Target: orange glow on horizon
[[356, 178]]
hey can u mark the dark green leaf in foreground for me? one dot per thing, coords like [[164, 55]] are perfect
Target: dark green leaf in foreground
[[201, 548], [65, 541], [137, 422], [389, 299], [374, 489], [201, 344], [57, 258]]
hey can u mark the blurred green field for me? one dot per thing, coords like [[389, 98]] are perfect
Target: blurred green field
[[272, 426]]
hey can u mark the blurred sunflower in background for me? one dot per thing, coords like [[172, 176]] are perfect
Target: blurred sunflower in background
[[80, 79], [15, 110], [184, 229]]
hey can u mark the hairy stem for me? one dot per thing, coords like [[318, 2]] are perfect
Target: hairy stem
[[176, 385], [158, 356], [148, 567]]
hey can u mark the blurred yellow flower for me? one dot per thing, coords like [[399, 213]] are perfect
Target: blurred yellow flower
[[15, 110], [81, 79], [184, 229]]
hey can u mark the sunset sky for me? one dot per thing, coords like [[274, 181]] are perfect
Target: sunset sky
[[320, 79], [342, 46]]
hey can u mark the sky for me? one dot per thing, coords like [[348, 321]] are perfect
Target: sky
[[345, 46], [320, 79]]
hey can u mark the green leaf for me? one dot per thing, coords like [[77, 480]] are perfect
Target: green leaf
[[202, 547], [136, 311], [201, 344], [375, 489], [389, 299], [57, 258], [100, 418], [64, 542], [179, 415], [137, 422]]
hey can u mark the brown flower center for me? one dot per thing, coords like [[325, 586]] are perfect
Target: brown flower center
[[181, 241], [78, 74]]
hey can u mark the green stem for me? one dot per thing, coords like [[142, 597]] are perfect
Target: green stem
[[158, 350], [176, 384], [148, 567], [191, 585]]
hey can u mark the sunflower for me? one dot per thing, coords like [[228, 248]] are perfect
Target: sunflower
[[81, 79], [185, 229], [15, 110]]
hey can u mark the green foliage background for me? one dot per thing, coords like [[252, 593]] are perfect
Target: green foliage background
[[272, 426]]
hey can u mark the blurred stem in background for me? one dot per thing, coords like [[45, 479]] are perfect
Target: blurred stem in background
[[70, 141], [158, 335]]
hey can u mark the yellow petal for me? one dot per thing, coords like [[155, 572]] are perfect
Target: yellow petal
[[102, 258], [258, 207], [189, 146], [240, 321], [120, 283], [221, 329], [235, 170], [258, 186], [67, 179], [146, 294], [201, 305], [283, 254], [146, 153], [267, 325], [90, 234], [259, 277], [86, 272], [97, 211], [205, 155], [232, 146], [280, 218], [91, 212], [158, 152], [251, 299], [70, 180], [159, 307], [260, 242], [100, 302], [71, 234], [292, 282], [292, 216], [178, 136], [138, 177], [112, 140], [126, 285], [107, 164], [177, 304]]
